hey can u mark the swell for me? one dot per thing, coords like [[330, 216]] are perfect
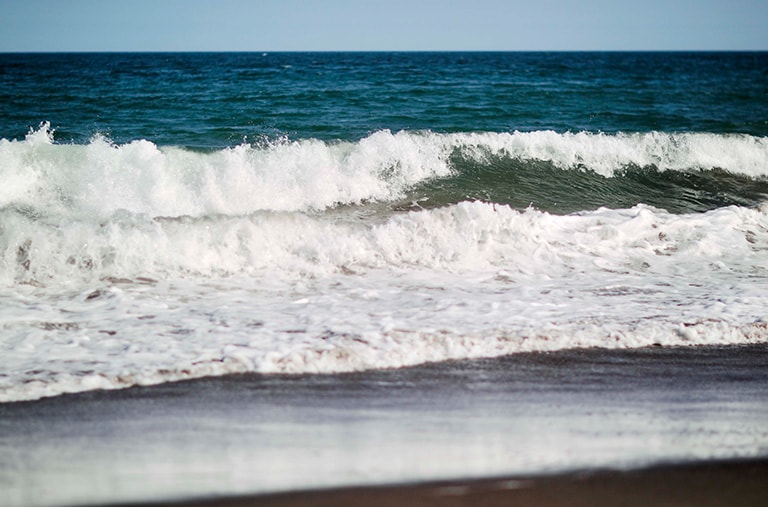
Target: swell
[[523, 183]]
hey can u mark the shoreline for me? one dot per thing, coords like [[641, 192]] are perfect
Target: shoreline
[[730, 483], [560, 424]]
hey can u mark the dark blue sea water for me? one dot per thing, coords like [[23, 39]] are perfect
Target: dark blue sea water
[[212, 100]]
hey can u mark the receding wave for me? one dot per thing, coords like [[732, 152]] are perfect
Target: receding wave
[[553, 171], [329, 352]]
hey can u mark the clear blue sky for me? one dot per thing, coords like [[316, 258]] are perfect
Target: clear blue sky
[[362, 25]]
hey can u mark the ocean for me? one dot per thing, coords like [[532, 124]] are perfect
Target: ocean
[[176, 216]]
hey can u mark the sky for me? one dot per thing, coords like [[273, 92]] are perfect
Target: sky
[[382, 25]]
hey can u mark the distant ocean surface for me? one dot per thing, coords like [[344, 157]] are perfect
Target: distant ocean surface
[[172, 216]]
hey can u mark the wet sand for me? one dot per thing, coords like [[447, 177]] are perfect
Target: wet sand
[[733, 484], [509, 430]]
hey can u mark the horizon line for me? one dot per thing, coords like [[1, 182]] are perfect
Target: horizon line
[[266, 52]]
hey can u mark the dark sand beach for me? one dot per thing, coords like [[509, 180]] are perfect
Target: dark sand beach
[[658, 426], [737, 483]]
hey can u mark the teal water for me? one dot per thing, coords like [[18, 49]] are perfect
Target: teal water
[[216, 100]]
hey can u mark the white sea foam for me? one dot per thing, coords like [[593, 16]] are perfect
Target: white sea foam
[[464, 237], [296, 293], [608, 154], [139, 177], [100, 178]]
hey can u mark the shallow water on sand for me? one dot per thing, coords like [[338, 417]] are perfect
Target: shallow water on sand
[[528, 413]]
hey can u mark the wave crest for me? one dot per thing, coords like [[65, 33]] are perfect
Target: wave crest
[[100, 178]]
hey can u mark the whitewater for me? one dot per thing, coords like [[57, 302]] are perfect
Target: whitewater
[[135, 264]]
